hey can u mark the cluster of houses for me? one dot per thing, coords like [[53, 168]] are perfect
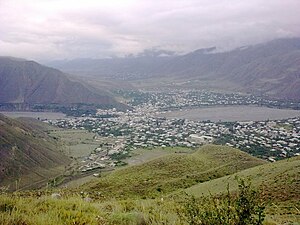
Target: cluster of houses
[[279, 138], [143, 128], [103, 156], [171, 99]]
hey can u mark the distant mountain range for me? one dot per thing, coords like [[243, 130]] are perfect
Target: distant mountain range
[[128, 68], [27, 153], [271, 68], [23, 81]]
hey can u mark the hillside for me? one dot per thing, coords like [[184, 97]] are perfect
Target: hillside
[[27, 82], [170, 173], [119, 207], [28, 154], [270, 68], [280, 181]]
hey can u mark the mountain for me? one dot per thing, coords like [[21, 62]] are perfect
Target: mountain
[[27, 153], [270, 68], [127, 68], [28, 82]]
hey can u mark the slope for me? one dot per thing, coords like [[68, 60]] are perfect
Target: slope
[[169, 173], [23, 81], [280, 181], [27, 154]]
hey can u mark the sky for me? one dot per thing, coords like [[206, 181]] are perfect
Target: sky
[[68, 29]]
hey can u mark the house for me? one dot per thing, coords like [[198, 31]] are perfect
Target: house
[[201, 139]]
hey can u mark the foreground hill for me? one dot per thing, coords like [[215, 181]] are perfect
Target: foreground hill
[[27, 82], [170, 173], [270, 68], [280, 181], [281, 177], [27, 154]]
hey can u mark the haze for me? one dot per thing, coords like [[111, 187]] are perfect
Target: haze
[[55, 29]]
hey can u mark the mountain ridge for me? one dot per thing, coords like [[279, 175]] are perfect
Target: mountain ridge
[[270, 68], [23, 81]]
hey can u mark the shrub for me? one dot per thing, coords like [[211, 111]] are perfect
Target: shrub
[[243, 208]]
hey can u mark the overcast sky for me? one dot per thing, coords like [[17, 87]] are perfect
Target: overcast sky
[[58, 29]]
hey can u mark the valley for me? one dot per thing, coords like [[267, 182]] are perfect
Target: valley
[[138, 112], [109, 138], [122, 144], [269, 68]]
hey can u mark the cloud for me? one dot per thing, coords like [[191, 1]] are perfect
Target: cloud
[[56, 29]]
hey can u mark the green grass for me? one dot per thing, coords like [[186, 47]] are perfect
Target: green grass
[[14, 210], [279, 183], [78, 143], [47, 211], [119, 197], [29, 209], [171, 172], [142, 155], [277, 179]]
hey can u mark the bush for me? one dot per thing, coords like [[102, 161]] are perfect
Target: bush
[[243, 208]]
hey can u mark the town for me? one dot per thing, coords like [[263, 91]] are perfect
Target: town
[[143, 127], [175, 99]]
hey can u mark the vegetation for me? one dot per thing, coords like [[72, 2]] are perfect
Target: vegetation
[[170, 173], [28, 154], [75, 210], [280, 181], [240, 203], [78, 143], [244, 208]]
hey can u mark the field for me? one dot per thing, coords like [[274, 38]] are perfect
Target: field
[[78, 143], [41, 115], [142, 155]]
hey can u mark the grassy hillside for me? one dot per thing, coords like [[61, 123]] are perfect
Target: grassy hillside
[[279, 183], [280, 180], [172, 172], [27, 154]]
